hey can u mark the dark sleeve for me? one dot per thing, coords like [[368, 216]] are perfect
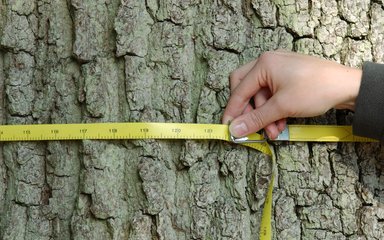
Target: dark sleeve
[[368, 120]]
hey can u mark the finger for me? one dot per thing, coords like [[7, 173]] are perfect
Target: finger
[[261, 98], [281, 124], [248, 108], [272, 131], [226, 120], [256, 119], [241, 95], [237, 75], [235, 78], [278, 127]]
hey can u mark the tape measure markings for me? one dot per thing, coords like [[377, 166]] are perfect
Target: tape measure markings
[[143, 130], [41, 132]]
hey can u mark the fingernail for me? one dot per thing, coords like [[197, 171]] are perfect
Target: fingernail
[[268, 134], [227, 120], [238, 129]]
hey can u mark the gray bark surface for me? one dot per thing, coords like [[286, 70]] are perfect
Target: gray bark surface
[[70, 61]]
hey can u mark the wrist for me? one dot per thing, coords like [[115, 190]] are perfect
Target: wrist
[[350, 85]]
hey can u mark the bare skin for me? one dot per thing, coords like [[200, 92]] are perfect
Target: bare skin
[[286, 84]]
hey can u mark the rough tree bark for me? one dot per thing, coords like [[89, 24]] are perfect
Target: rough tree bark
[[69, 61]]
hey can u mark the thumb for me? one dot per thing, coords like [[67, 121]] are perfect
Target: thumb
[[255, 120]]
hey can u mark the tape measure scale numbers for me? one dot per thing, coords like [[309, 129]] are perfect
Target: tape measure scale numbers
[[40, 132], [140, 130]]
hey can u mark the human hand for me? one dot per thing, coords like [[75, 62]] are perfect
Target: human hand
[[285, 84]]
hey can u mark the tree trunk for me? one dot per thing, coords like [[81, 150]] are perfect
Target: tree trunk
[[70, 61]]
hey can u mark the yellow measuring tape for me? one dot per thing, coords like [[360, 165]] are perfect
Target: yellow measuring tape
[[141, 130], [146, 130]]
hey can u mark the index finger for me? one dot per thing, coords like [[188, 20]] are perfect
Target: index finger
[[239, 74], [243, 92]]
